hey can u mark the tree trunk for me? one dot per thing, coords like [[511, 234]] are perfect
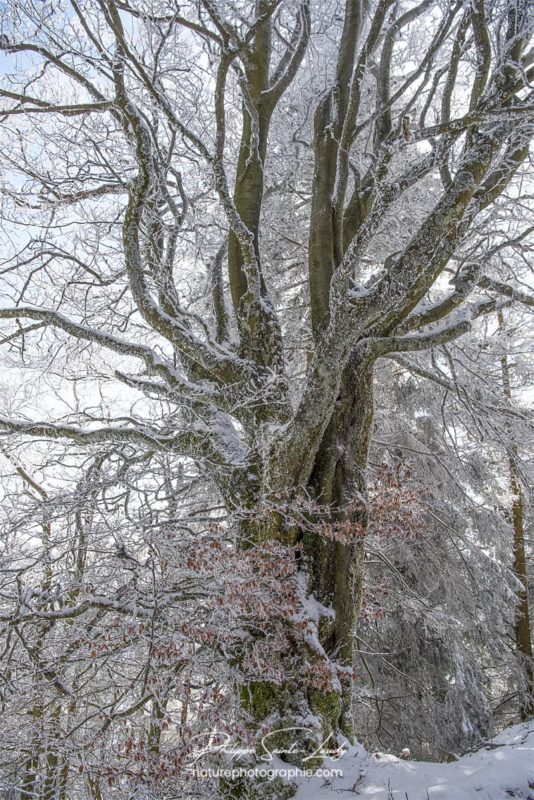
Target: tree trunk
[[522, 620], [333, 573], [523, 634], [339, 481]]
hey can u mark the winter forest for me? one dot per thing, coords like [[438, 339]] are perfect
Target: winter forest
[[266, 399]]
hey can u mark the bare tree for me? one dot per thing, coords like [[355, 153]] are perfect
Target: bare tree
[[162, 171]]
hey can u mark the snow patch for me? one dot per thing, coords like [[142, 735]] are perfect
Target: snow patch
[[500, 769]]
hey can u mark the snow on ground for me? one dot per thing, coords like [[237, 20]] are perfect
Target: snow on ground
[[503, 769]]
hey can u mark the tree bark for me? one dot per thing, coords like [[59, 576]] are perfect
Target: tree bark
[[339, 482], [523, 635]]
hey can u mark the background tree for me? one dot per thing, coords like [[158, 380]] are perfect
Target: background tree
[[441, 663]]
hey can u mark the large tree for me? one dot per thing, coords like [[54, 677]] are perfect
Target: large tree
[[173, 173]]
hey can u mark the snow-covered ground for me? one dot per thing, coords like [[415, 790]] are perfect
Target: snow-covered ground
[[503, 769]]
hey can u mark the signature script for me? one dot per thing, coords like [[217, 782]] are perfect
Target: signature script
[[220, 742]]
